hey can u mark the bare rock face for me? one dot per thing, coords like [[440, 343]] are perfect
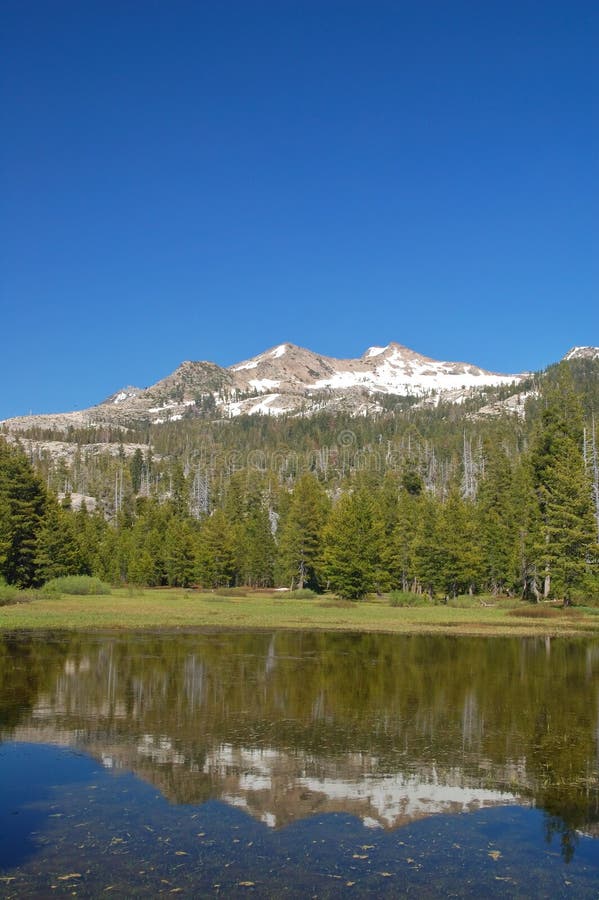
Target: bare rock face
[[582, 353], [283, 379]]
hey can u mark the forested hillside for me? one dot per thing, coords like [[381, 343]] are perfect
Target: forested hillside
[[435, 500]]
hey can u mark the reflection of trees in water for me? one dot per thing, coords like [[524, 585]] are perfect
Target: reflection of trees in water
[[27, 669], [509, 713]]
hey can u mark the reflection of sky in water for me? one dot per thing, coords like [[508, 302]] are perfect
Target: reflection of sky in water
[[295, 739], [70, 825]]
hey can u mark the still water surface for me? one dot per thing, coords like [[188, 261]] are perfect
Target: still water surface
[[298, 764]]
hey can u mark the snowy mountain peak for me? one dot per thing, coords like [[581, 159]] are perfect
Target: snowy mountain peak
[[280, 350], [273, 353], [582, 353], [292, 380], [373, 351], [126, 393], [390, 351]]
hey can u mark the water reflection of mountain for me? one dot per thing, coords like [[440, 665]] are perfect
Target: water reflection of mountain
[[278, 787], [291, 725]]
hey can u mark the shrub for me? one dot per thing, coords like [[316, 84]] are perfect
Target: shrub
[[80, 585], [543, 612], [509, 603], [463, 601], [10, 594], [300, 594], [407, 599]]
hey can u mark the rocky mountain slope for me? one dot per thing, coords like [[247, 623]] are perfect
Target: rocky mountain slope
[[286, 379]]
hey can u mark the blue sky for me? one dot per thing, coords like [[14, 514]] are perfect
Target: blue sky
[[203, 180]]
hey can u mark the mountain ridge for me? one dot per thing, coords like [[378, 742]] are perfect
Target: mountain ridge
[[289, 379]]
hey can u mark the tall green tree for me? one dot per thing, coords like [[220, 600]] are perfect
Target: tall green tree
[[136, 464], [23, 501], [428, 553], [497, 520], [571, 550], [568, 545], [215, 555], [353, 539], [301, 533], [57, 550], [461, 557], [179, 553], [401, 543], [255, 548]]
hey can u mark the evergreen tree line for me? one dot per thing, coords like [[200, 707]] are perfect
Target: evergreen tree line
[[521, 523]]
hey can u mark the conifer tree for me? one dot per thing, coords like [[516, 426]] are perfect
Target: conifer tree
[[57, 550], [179, 553], [461, 558], [89, 529], [256, 548], [353, 547], [5, 533], [527, 563], [215, 559], [142, 568], [22, 506], [428, 553], [401, 545], [568, 545], [135, 469], [301, 533], [572, 553], [497, 520]]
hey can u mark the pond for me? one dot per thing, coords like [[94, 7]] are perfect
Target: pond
[[298, 764]]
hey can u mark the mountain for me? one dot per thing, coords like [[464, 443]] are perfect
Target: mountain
[[284, 379], [582, 353]]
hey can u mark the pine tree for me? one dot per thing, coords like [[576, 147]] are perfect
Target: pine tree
[[215, 558], [256, 548], [136, 464], [572, 553], [57, 550], [428, 553], [527, 562], [568, 545], [22, 506], [401, 545], [496, 515], [461, 557], [179, 553], [301, 533], [353, 547], [142, 568]]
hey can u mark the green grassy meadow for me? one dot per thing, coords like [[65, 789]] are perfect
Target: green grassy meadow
[[128, 608]]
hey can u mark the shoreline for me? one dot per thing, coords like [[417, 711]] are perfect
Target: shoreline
[[177, 610]]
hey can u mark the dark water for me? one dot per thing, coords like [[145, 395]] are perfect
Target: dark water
[[296, 764]]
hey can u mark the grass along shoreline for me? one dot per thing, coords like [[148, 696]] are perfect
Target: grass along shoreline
[[176, 608]]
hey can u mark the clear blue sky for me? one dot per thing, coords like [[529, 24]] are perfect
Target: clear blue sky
[[203, 180]]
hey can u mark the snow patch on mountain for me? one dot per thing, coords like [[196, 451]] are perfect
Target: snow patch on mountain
[[582, 353], [274, 353], [248, 365], [264, 384], [396, 374], [267, 405], [126, 393], [291, 380]]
